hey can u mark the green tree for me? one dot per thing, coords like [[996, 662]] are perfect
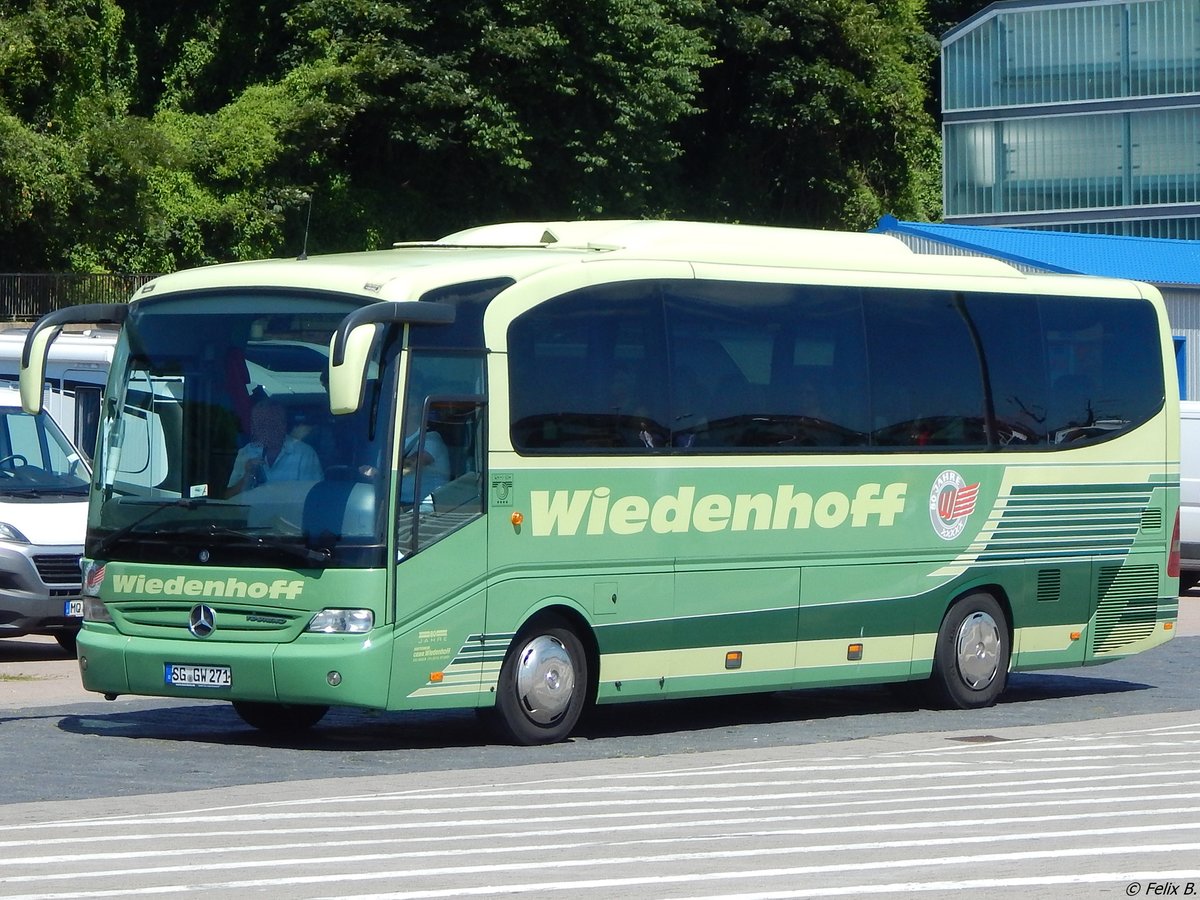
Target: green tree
[[63, 72], [945, 14], [816, 115], [503, 108], [141, 135]]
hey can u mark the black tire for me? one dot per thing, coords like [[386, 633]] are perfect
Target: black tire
[[69, 641], [970, 659], [279, 718], [1188, 580], [543, 684]]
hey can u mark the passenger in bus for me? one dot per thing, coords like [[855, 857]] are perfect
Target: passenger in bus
[[432, 458], [272, 454]]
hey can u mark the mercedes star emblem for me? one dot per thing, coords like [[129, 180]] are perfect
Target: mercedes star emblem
[[202, 621]]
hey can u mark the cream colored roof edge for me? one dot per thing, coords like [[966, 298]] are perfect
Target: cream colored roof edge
[[728, 244], [518, 250]]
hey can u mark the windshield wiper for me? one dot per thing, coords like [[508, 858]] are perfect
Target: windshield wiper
[[302, 553], [43, 492], [106, 543]]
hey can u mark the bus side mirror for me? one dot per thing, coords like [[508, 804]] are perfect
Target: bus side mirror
[[45, 330], [33, 368], [346, 379], [350, 346]]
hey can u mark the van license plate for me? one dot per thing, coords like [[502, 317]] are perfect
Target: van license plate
[[178, 675], [73, 609]]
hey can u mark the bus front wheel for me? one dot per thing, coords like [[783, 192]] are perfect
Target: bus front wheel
[[279, 718], [970, 659], [543, 683]]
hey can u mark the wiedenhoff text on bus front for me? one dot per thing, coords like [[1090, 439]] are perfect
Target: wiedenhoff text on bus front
[[596, 511], [179, 586]]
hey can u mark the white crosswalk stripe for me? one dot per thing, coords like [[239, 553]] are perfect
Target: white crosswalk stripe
[[1077, 812]]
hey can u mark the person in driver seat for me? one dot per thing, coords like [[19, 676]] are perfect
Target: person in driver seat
[[272, 454]]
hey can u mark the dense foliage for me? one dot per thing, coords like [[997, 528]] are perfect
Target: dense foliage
[[137, 135]]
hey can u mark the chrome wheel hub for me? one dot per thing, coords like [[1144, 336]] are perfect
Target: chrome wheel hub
[[545, 679], [978, 650]]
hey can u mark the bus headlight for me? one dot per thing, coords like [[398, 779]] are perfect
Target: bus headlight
[[343, 621], [94, 610]]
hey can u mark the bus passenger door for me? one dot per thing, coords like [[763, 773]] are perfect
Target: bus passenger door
[[441, 567]]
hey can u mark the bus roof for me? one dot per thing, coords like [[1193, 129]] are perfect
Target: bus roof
[[518, 250]]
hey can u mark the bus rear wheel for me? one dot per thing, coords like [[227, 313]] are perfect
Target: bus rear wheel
[[279, 718], [543, 684], [970, 659]]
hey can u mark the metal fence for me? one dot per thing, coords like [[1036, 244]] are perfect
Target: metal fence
[[26, 297]]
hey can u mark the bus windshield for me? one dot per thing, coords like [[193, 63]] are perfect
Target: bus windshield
[[217, 442]]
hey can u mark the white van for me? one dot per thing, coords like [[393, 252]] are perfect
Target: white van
[[76, 373], [1189, 494], [43, 517]]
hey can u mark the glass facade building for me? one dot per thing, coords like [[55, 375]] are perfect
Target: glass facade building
[[1075, 117]]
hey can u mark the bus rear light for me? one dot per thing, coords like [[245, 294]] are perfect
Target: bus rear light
[[1168, 626], [1173, 559]]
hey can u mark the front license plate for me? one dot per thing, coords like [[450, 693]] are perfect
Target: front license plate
[[178, 675], [73, 609]]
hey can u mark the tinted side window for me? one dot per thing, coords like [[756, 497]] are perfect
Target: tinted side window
[[1013, 355], [926, 383], [470, 300], [766, 367], [694, 367], [588, 372], [1104, 367]]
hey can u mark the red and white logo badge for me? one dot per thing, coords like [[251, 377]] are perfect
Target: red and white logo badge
[[951, 503], [93, 578]]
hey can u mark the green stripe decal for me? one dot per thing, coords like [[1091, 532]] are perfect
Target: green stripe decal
[[759, 627], [1048, 521]]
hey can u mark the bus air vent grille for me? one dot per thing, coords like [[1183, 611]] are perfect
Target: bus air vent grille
[[1049, 585], [234, 622], [1127, 607], [1152, 519]]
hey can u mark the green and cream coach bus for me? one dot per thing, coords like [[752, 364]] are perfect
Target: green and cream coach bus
[[536, 466]]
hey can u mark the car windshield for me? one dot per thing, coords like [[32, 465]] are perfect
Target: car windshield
[[217, 441], [37, 459]]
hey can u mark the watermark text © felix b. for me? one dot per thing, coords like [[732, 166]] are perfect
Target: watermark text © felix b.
[[1162, 889]]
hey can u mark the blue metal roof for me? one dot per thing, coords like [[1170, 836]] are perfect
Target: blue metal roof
[[1155, 260]]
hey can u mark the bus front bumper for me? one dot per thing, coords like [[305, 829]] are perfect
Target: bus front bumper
[[322, 669]]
